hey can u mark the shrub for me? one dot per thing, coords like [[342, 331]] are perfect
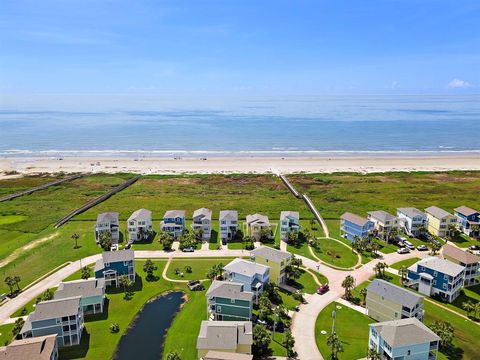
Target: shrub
[[114, 328]]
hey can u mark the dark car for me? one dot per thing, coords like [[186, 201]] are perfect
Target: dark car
[[323, 289], [474, 247]]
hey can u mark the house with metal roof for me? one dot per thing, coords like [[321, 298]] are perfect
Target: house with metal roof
[[277, 260], [469, 261], [253, 276], [289, 223], [91, 291], [139, 225], [114, 264], [107, 223], [37, 348], [62, 317], [352, 226], [403, 339], [202, 222], [383, 223], [439, 221], [173, 222], [227, 301], [228, 221], [436, 276], [411, 220], [225, 336], [468, 221], [257, 224], [386, 301]]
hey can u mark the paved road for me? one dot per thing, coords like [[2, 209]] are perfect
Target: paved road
[[303, 322]]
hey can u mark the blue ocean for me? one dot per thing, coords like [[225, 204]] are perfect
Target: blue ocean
[[153, 125]]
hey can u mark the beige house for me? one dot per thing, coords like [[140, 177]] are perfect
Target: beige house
[[469, 261], [256, 223], [383, 223], [225, 336], [386, 301], [439, 220], [40, 347]]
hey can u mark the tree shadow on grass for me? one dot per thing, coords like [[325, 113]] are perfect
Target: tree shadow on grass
[[137, 286], [453, 353]]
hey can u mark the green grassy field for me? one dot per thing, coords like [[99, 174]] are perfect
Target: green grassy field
[[199, 267], [334, 194], [407, 263], [334, 253]]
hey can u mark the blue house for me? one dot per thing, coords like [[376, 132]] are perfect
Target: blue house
[[252, 275], [352, 225], [468, 221], [113, 264], [63, 317], [403, 339], [173, 222], [435, 276]]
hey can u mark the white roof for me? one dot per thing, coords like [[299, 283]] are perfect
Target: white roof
[[141, 214], [245, 267], [228, 215], [203, 213], [437, 212], [224, 335], [228, 290], [381, 215], [107, 216], [405, 332], [289, 214], [410, 212], [441, 265], [257, 218], [271, 254]]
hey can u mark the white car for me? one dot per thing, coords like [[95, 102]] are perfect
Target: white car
[[403, 250], [408, 244], [114, 247]]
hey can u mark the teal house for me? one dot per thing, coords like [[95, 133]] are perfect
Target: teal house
[[226, 301]]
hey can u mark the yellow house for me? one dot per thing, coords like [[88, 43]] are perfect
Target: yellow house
[[276, 259], [439, 220], [225, 336]]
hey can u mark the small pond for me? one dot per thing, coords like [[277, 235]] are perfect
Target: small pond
[[144, 339]]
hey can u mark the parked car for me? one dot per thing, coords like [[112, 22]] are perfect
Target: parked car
[[323, 289], [408, 245], [422, 248], [400, 238], [403, 250], [474, 247], [435, 242], [114, 247], [188, 249]]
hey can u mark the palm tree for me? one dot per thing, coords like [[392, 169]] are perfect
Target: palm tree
[[378, 269], [173, 356], [105, 240], [75, 238], [149, 267], [335, 345], [476, 310], [356, 243], [468, 307], [403, 271], [374, 247], [10, 283], [85, 272], [125, 282], [363, 292], [348, 283], [373, 355]]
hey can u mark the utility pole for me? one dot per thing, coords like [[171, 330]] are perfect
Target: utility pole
[[334, 314]]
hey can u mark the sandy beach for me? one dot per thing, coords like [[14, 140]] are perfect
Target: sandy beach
[[238, 165]]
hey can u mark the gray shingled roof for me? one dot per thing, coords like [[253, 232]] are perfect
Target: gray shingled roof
[[141, 214], [119, 255], [228, 290], [257, 218], [465, 210], [204, 213], [83, 288], [222, 355], [394, 293], [293, 214], [224, 335], [405, 332], [381, 215], [107, 216], [459, 254], [245, 267], [174, 214], [411, 212], [271, 254], [437, 212], [55, 309], [353, 218], [228, 215], [441, 265]]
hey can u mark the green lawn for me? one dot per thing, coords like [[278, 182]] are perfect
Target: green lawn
[[100, 344], [199, 267], [351, 328], [307, 284], [406, 262], [6, 334], [30, 306], [335, 253], [276, 345]]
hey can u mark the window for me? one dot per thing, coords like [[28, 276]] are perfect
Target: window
[[219, 309], [232, 301], [445, 286], [107, 264]]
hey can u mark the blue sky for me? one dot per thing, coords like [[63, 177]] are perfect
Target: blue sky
[[239, 47]]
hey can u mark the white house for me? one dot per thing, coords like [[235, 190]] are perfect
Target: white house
[[228, 220], [202, 220], [139, 225], [411, 220], [289, 222], [107, 223], [383, 222]]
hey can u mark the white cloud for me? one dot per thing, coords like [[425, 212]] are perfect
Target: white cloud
[[459, 84]]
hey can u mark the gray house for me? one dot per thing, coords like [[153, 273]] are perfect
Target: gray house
[[386, 301], [228, 225], [202, 220], [91, 291], [63, 317], [107, 222]]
